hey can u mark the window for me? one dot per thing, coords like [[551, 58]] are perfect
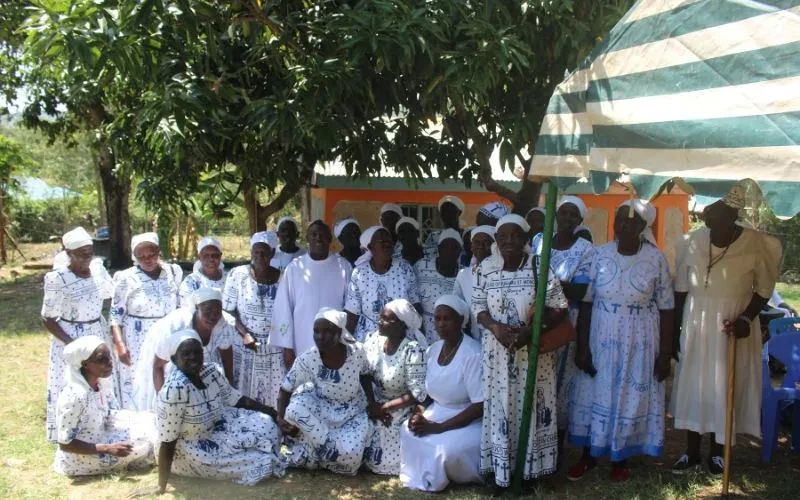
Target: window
[[426, 215]]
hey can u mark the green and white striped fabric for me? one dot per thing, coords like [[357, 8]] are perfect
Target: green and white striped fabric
[[706, 90]]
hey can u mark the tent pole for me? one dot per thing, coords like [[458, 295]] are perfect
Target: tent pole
[[533, 350]]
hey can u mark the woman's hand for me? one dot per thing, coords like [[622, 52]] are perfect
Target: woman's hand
[[249, 342], [124, 355], [288, 358], [739, 328], [375, 411], [115, 449], [286, 427], [662, 367], [583, 360], [421, 426], [504, 334]]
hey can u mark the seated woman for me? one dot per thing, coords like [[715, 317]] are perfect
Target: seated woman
[[207, 428], [441, 442], [94, 436], [326, 420], [396, 356]]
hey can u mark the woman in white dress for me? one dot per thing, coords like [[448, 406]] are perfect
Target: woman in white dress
[[216, 327], [724, 276], [503, 298], [288, 250], [206, 428], [209, 271], [436, 276], [143, 294], [623, 348], [249, 296], [408, 240], [450, 209], [348, 232], [396, 356], [326, 421], [570, 259], [94, 435], [482, 240], [377, 279], [489, 214], [72, 308], [441, 442]]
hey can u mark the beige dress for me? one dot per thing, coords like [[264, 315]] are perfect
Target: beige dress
[[751, 265]]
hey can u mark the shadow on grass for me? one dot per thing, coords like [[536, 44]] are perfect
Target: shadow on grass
[[20, 304]]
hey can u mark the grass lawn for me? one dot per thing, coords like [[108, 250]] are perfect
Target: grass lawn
[[25, 458]]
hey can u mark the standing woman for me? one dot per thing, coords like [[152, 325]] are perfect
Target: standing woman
[[436, 276], [450, 210], [143, 294], [503, 298], [396, 356], [348, 232], [327, 420], [377, 280], [482, 240], [288, 249], [249, 296], [624, 346], [408, 238], [72, 308], [209, 271], [441, 442], [94, 435], [570, 259], [535, 219]]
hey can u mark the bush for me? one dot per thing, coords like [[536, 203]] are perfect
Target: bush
[[41, 221]]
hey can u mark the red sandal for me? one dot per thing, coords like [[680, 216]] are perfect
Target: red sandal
[[577, 471], [620, 474]]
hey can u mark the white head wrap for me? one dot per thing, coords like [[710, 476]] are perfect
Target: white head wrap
[[579, 204], [535, 209], [495, 260], [267, 237], [454, 200], [392, 207], [515, 219], [455, 303], [647, 212], [339, 226], [365, 240], [208, 241], [450, 234], [204, 294], [75, 353], [494, 210], [487, 230], [407, 313], [338, 318], [286, 219], [76, 238], [137, 240], [406, 220], [583, 227], [177, 338]]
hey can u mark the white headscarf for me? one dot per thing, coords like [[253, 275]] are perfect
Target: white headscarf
[[76, 238], [535, 209], [338, 318], [267, 237], [454, 200], [204, 294], [450, 234], [574, 200], [494, 210], [455, 303], [75, 353], [365, 240], [176, 339], [494, 261], [407, 313], [286, 219], [406, 220], [487, 230], [339, 226], [647, 212], [140, 239], [515, 219], [392, 207], [208, 241]]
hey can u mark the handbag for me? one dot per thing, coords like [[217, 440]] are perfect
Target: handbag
[[561, 334]]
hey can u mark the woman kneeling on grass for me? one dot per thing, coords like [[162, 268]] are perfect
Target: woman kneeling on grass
[[94, 436], [207, 428], [326, 419]]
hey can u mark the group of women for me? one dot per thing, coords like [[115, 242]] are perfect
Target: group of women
[[420, 372]]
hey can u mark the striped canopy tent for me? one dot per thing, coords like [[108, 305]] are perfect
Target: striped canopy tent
[[704, 90], [707, 91]]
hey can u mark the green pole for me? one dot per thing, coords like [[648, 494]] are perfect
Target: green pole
[[533, 350]]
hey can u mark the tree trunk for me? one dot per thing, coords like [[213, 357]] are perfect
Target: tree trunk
[[256, 221], [116, 191], [3, 255]]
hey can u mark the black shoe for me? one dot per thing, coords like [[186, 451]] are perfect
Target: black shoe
[[685, 465], [716, 466]]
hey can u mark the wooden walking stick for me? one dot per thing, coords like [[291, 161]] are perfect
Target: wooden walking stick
[[726, 475]]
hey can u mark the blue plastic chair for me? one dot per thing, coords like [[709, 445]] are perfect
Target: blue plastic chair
[[783, 325], [785, 347]]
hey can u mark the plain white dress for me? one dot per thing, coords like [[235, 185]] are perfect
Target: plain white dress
[[430, 462]]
